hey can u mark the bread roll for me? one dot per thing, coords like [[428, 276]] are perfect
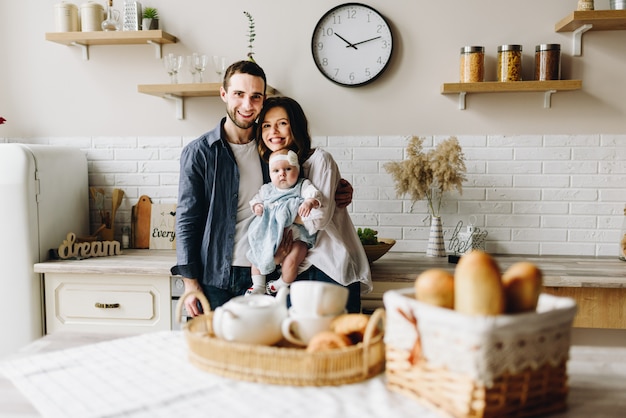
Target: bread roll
[[435, 287], [522, 283], [477, 285]]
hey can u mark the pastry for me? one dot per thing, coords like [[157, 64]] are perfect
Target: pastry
[[351, 325], [327, 340]]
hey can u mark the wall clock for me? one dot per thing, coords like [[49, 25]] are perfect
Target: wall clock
[[352, 44]]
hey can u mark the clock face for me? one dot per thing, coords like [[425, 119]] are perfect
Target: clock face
[[352, 44]]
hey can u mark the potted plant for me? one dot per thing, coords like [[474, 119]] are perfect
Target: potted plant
[[374, 247], [150, 19]]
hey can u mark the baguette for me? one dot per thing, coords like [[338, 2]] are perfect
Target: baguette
[[478, 286]]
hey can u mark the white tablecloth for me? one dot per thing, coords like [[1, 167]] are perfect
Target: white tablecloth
[[149, 376]]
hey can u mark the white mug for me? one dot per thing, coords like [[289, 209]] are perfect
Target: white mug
[[299, 329], [313, 298]]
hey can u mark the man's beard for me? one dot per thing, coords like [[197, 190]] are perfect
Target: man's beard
[[233, 117]]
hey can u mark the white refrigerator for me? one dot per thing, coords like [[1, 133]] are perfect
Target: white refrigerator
[[44, 194]]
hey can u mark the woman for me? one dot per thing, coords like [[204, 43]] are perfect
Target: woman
[[338, 255]]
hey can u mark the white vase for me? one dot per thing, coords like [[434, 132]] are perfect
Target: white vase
[[436, 246]]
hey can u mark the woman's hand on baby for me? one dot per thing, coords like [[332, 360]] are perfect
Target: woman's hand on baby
[[343, 194]]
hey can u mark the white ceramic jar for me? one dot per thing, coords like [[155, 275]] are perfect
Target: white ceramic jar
[[66, 17], [91, 16]]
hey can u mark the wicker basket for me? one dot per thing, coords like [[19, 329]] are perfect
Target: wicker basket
[[466, 366], [284, 365], [375, 251]]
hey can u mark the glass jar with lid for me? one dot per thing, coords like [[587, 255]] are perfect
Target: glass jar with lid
[[472, 64], [548, 62], [509, 63]]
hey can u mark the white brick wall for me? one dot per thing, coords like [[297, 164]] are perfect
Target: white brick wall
[[534, 194]]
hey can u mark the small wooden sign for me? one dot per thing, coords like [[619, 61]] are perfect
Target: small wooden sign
[[163, 227]]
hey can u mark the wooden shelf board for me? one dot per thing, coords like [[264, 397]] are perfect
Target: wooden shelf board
[[510, 86], [188, 89], [111, 38], [600, 19]]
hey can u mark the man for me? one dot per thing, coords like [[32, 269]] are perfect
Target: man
[[220, 172]]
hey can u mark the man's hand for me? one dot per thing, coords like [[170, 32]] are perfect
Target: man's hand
[[343, 195], [191, 302], [284, 248]]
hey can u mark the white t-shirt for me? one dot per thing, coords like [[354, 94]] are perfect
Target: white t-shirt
[[250, 180]]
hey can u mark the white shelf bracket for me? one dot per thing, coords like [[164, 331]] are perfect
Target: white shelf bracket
[[462, 95], [578, 39], [547, 98], [157, 48], [180, 105], [85, 49]]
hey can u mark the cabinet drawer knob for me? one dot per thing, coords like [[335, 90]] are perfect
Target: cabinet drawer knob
[[107, 305]]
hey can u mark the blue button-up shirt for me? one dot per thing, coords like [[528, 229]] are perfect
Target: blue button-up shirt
[[206, 213]]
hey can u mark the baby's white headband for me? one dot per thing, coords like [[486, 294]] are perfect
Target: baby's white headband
[[291, 158]]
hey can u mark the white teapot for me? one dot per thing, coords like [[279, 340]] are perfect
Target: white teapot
[[252, 319]]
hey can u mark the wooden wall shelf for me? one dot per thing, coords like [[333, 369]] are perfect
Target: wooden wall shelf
[[547, 87], [85, 39], [178, 92], [580, 22]]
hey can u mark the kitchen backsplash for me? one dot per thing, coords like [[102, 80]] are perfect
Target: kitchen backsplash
[[536, 195]]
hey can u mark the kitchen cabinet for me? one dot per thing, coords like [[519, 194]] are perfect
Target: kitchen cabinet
[[84, 40], [126, 293], [547, 87], [108, 303], [580, 22], [178, 92]]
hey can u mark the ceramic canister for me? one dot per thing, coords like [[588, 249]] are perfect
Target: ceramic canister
[[91, 16], [66, 17]]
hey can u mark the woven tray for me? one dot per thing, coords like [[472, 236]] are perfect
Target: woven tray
[[509, 365], [283, 365]]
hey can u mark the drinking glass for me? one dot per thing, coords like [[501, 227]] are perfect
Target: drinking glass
[[219, 63], [172, 66], [201, 62], [191, 66]]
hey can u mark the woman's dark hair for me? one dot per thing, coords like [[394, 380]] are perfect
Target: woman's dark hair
[[244, 67], [301, 144]]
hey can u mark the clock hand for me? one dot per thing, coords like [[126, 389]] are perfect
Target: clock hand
[[362, 42], [344, 39]]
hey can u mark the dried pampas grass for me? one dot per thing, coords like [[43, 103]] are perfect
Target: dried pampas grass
[[429, 175]]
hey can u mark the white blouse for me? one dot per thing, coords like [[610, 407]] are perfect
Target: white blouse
[[338, 251]]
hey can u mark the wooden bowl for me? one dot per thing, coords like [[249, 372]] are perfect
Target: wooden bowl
[[375, 251]]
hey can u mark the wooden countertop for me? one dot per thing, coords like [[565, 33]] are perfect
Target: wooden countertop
[[559, 271]]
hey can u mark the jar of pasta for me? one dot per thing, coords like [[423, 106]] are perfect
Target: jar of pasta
[[548, 62], [472, 64], [509, 63]]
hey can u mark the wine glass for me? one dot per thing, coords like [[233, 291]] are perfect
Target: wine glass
[[191, 66], [201, 62], [219, 63], [172, 66]]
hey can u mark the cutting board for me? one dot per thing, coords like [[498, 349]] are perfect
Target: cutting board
[[141, 223]]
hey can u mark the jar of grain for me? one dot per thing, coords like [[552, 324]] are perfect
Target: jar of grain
[[548, 62], [509, 63], [472, 64]]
